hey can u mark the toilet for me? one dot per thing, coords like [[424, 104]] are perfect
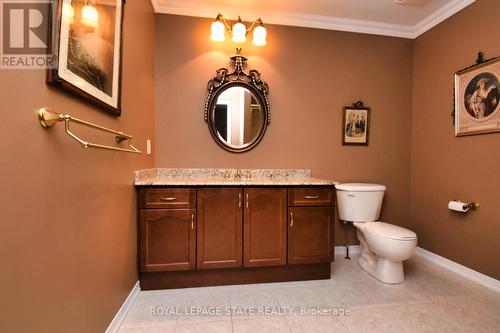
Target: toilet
[[384, 246]]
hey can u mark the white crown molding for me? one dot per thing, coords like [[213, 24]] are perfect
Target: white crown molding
[[156, 6], [440, 15], [177, 7], [115, 324]]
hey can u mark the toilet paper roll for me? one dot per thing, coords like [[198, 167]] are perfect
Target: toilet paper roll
[[458, 206]]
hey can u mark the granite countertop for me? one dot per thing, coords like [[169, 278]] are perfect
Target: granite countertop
[[221, 177]]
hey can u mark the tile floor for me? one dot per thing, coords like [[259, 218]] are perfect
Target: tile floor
[[432, 299]]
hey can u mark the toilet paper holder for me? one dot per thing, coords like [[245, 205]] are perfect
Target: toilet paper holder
[[472, 205]]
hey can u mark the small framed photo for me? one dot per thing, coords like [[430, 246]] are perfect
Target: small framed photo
[[356, 125], [86, 38], [477, 98]]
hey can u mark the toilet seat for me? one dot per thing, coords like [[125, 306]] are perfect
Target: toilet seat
[[390, 231]]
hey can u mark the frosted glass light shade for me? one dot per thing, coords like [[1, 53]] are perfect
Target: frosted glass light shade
[[259, 36], [68, 12], [239, 33], [90, 16], [218, 31]]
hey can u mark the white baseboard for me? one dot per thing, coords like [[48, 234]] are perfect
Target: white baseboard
[[120, 315], [353, 249], [466, 272]]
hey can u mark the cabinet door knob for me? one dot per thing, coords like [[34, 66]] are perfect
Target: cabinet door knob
[[291, 219], [246, 197], [168, 198], [239, 200], [192, 221]]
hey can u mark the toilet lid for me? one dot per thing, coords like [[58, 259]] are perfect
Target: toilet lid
[[391, 231], [360, 187]]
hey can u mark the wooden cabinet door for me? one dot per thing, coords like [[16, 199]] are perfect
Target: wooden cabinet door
[[310, 235], [167, 240], [265, 227], [219, 236]]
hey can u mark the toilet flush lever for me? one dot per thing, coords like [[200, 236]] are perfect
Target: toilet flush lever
[[350, 195]]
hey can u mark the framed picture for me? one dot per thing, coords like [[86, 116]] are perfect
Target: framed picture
[[86, 38], [477, 98], [356, 125]]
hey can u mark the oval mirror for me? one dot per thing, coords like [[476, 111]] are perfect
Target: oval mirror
[[237, 108], [237, 118]]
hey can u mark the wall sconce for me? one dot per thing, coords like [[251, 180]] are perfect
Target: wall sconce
[[238, 31]]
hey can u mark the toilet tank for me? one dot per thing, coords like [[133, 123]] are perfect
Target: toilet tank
[[359, 202]]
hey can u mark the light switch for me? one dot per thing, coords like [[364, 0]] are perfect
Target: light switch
[[148, 147]]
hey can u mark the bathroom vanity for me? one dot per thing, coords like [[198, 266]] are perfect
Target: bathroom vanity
[[204, 227]]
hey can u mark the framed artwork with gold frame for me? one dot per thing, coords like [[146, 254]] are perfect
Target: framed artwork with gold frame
[[477, 98]]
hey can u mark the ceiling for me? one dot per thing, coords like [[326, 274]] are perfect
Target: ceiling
[[408, 19]]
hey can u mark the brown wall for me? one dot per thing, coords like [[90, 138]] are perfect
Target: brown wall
[[312, 75], [67, 231], [67, 223], [445, 167]]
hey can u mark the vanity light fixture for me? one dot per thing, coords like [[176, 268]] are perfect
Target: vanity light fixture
[[259, 35], [90, 16], [218, 30], [238, 31]]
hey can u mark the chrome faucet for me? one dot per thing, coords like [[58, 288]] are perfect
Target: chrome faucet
[[238, 174]]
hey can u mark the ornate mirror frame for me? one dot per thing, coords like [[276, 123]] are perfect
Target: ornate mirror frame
[[237, 78]]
